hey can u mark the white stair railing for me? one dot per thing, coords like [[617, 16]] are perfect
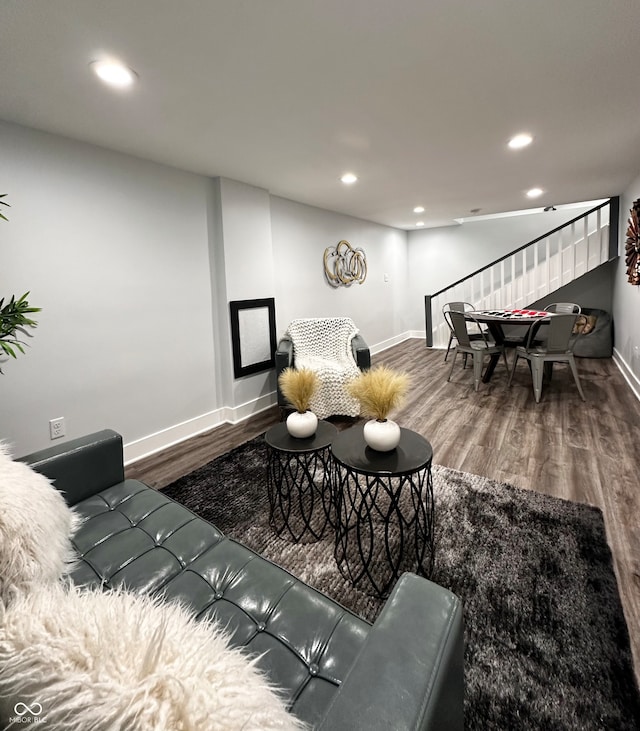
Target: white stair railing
[[532, 271]]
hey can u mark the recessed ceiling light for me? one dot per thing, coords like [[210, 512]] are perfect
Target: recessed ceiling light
[[521, 140], [419, 223], [535, 192], [418, 209], [114, 73], [349, 178]]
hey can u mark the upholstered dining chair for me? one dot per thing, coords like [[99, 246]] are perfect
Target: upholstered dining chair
[[558, 348], [478, 348], [459, 307]]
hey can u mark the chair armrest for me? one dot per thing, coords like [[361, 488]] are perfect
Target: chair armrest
[[409, 673], [284, 354], [82, 467], [361, 352], [284, 359]]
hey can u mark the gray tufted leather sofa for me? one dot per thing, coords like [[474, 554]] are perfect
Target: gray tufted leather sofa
[[338, 672]]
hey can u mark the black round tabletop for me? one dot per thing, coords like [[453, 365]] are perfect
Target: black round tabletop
[[413, 453], [279, 438]]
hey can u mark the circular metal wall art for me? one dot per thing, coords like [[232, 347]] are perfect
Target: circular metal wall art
[[344, 265]]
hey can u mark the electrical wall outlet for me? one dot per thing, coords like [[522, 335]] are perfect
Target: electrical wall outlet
[[56, 428]]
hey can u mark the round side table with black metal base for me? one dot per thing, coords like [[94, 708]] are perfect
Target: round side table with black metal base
[[299, 482], [384, 510]]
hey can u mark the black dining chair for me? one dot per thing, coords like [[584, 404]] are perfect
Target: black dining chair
[[558, 348], [477, 348]]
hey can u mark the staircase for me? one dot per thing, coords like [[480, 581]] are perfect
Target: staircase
[[533, 271]]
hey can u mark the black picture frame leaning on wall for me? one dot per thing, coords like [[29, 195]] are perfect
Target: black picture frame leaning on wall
[[253, 335]]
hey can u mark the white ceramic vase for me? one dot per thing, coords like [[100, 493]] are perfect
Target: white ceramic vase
[[302, 424], [383, 436]]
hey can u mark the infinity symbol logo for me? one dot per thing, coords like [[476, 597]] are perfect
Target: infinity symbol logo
[[22, 709]]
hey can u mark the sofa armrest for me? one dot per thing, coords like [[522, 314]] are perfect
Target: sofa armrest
[[409, 673], [361, 352], [82, 467]]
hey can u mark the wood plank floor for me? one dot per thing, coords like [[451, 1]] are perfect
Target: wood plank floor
[[586, 452]]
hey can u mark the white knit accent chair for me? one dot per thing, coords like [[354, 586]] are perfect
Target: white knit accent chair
[[332, 348]]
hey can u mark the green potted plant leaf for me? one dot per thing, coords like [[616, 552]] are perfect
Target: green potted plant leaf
[[14, 316]]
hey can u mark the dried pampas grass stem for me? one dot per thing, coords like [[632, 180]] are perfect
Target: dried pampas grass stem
[[298, 387], [379, 390]]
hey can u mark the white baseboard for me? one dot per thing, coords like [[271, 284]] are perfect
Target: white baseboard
[[133, 451], [628, 375], [154, 443], [385, 344], [239, 413]]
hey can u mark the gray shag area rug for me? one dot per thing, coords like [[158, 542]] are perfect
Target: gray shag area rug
[[546, 643]]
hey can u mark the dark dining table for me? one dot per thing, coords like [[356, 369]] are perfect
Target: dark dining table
[[495, 320]]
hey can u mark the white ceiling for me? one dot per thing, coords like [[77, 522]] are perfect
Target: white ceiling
[[417, 97]]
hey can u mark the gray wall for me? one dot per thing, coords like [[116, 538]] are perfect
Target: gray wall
[[594, 289], [301, 234], [244, 248], [626, 301], [134, 265], [115, 251]]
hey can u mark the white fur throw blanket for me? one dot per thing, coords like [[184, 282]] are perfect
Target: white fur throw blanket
[[324, 345], [75, 660], [36, 527]]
